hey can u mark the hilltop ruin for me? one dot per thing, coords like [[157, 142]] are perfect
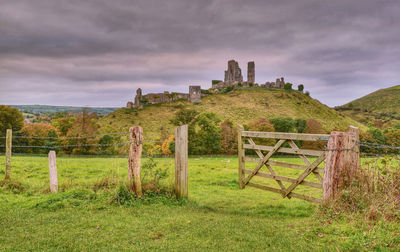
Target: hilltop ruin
[[194, 95], [232, 77]]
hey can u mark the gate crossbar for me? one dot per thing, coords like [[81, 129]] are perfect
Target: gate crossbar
[[264, 160]]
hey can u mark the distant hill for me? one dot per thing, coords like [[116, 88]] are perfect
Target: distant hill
[[239, 106], [382, 104], [53, 109]]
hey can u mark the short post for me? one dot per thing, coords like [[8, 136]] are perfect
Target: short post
[[241, 155], [8, 153], [53, 171], [342, 161], [135, 158], [181, 161]]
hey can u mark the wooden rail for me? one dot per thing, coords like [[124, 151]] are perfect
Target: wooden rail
[[265, 160], [287, 136], [342, 154]]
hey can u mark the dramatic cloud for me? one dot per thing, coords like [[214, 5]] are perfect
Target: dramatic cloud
[[97, 52]]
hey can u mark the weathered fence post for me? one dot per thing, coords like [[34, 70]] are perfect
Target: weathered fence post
[[8, 152], [342, 160], [241, 157], [53, 171], [181, 161], [135, 158]]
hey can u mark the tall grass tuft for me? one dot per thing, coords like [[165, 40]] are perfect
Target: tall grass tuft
[[373, 193]]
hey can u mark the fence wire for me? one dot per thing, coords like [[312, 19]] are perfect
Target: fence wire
[[65, 137]]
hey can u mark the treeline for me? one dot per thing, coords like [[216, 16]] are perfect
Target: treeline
[[380, 134], [209, 135], [65, 129]]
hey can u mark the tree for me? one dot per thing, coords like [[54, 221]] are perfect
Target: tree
[[184, 116], [10, 118], [36, 134], [63, 124], [288, 86], [314, 127], [283, 124], [377, 135], [106, 147], [300, 87], [207, 138], [228, 138], [79, 134], [261, 124], [300, 125]]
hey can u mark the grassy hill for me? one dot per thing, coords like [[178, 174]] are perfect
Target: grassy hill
[[239, 106], [382, 104]]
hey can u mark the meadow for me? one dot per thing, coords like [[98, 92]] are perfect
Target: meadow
[[92, 212]]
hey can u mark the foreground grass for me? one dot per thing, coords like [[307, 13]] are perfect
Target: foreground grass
[[218, 216]]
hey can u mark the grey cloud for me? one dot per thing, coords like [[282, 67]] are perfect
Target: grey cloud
[[91, 46]]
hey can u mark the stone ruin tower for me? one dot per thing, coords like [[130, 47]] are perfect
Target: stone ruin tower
[[280, 83], [195, 93], [234, 73], [137, 98], [251, 74]]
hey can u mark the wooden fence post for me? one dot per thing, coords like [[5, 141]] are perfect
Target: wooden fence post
[[53, 171], [135, 158], [342, 161], [8, 152], [181, 161], [241, 155]]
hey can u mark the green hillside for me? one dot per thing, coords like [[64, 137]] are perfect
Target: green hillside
[[382, 104], [240, 106]]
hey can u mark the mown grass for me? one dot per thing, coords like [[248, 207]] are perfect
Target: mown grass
[[84, 215]]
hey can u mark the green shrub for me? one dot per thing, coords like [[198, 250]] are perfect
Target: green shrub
[[213, 82], [288, 86], [283, 124]]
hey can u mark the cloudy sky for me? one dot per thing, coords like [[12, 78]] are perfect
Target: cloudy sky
[[98, 52]]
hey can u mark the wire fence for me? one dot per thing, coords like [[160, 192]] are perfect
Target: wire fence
[[71, 144]]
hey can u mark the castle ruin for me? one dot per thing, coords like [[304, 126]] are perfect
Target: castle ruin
[[233, 76], [251, 74], [194, 95]]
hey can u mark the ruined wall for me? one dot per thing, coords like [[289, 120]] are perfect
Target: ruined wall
[[251, 75], [195, 93], [234, 73]]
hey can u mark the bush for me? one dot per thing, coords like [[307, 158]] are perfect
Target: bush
[[283, 124], [314, 127], [228, 138], [288, 86], [152, 176], [264, 125], [184, 116], [213, 82], [307, 93], [300, 125], [300, 87], [205, 91]]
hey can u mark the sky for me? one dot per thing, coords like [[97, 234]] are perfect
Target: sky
[[98, 52]]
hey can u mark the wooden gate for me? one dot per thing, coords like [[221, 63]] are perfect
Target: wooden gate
[[265, 153]]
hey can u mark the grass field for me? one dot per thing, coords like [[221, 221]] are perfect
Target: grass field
[[84, 215]]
